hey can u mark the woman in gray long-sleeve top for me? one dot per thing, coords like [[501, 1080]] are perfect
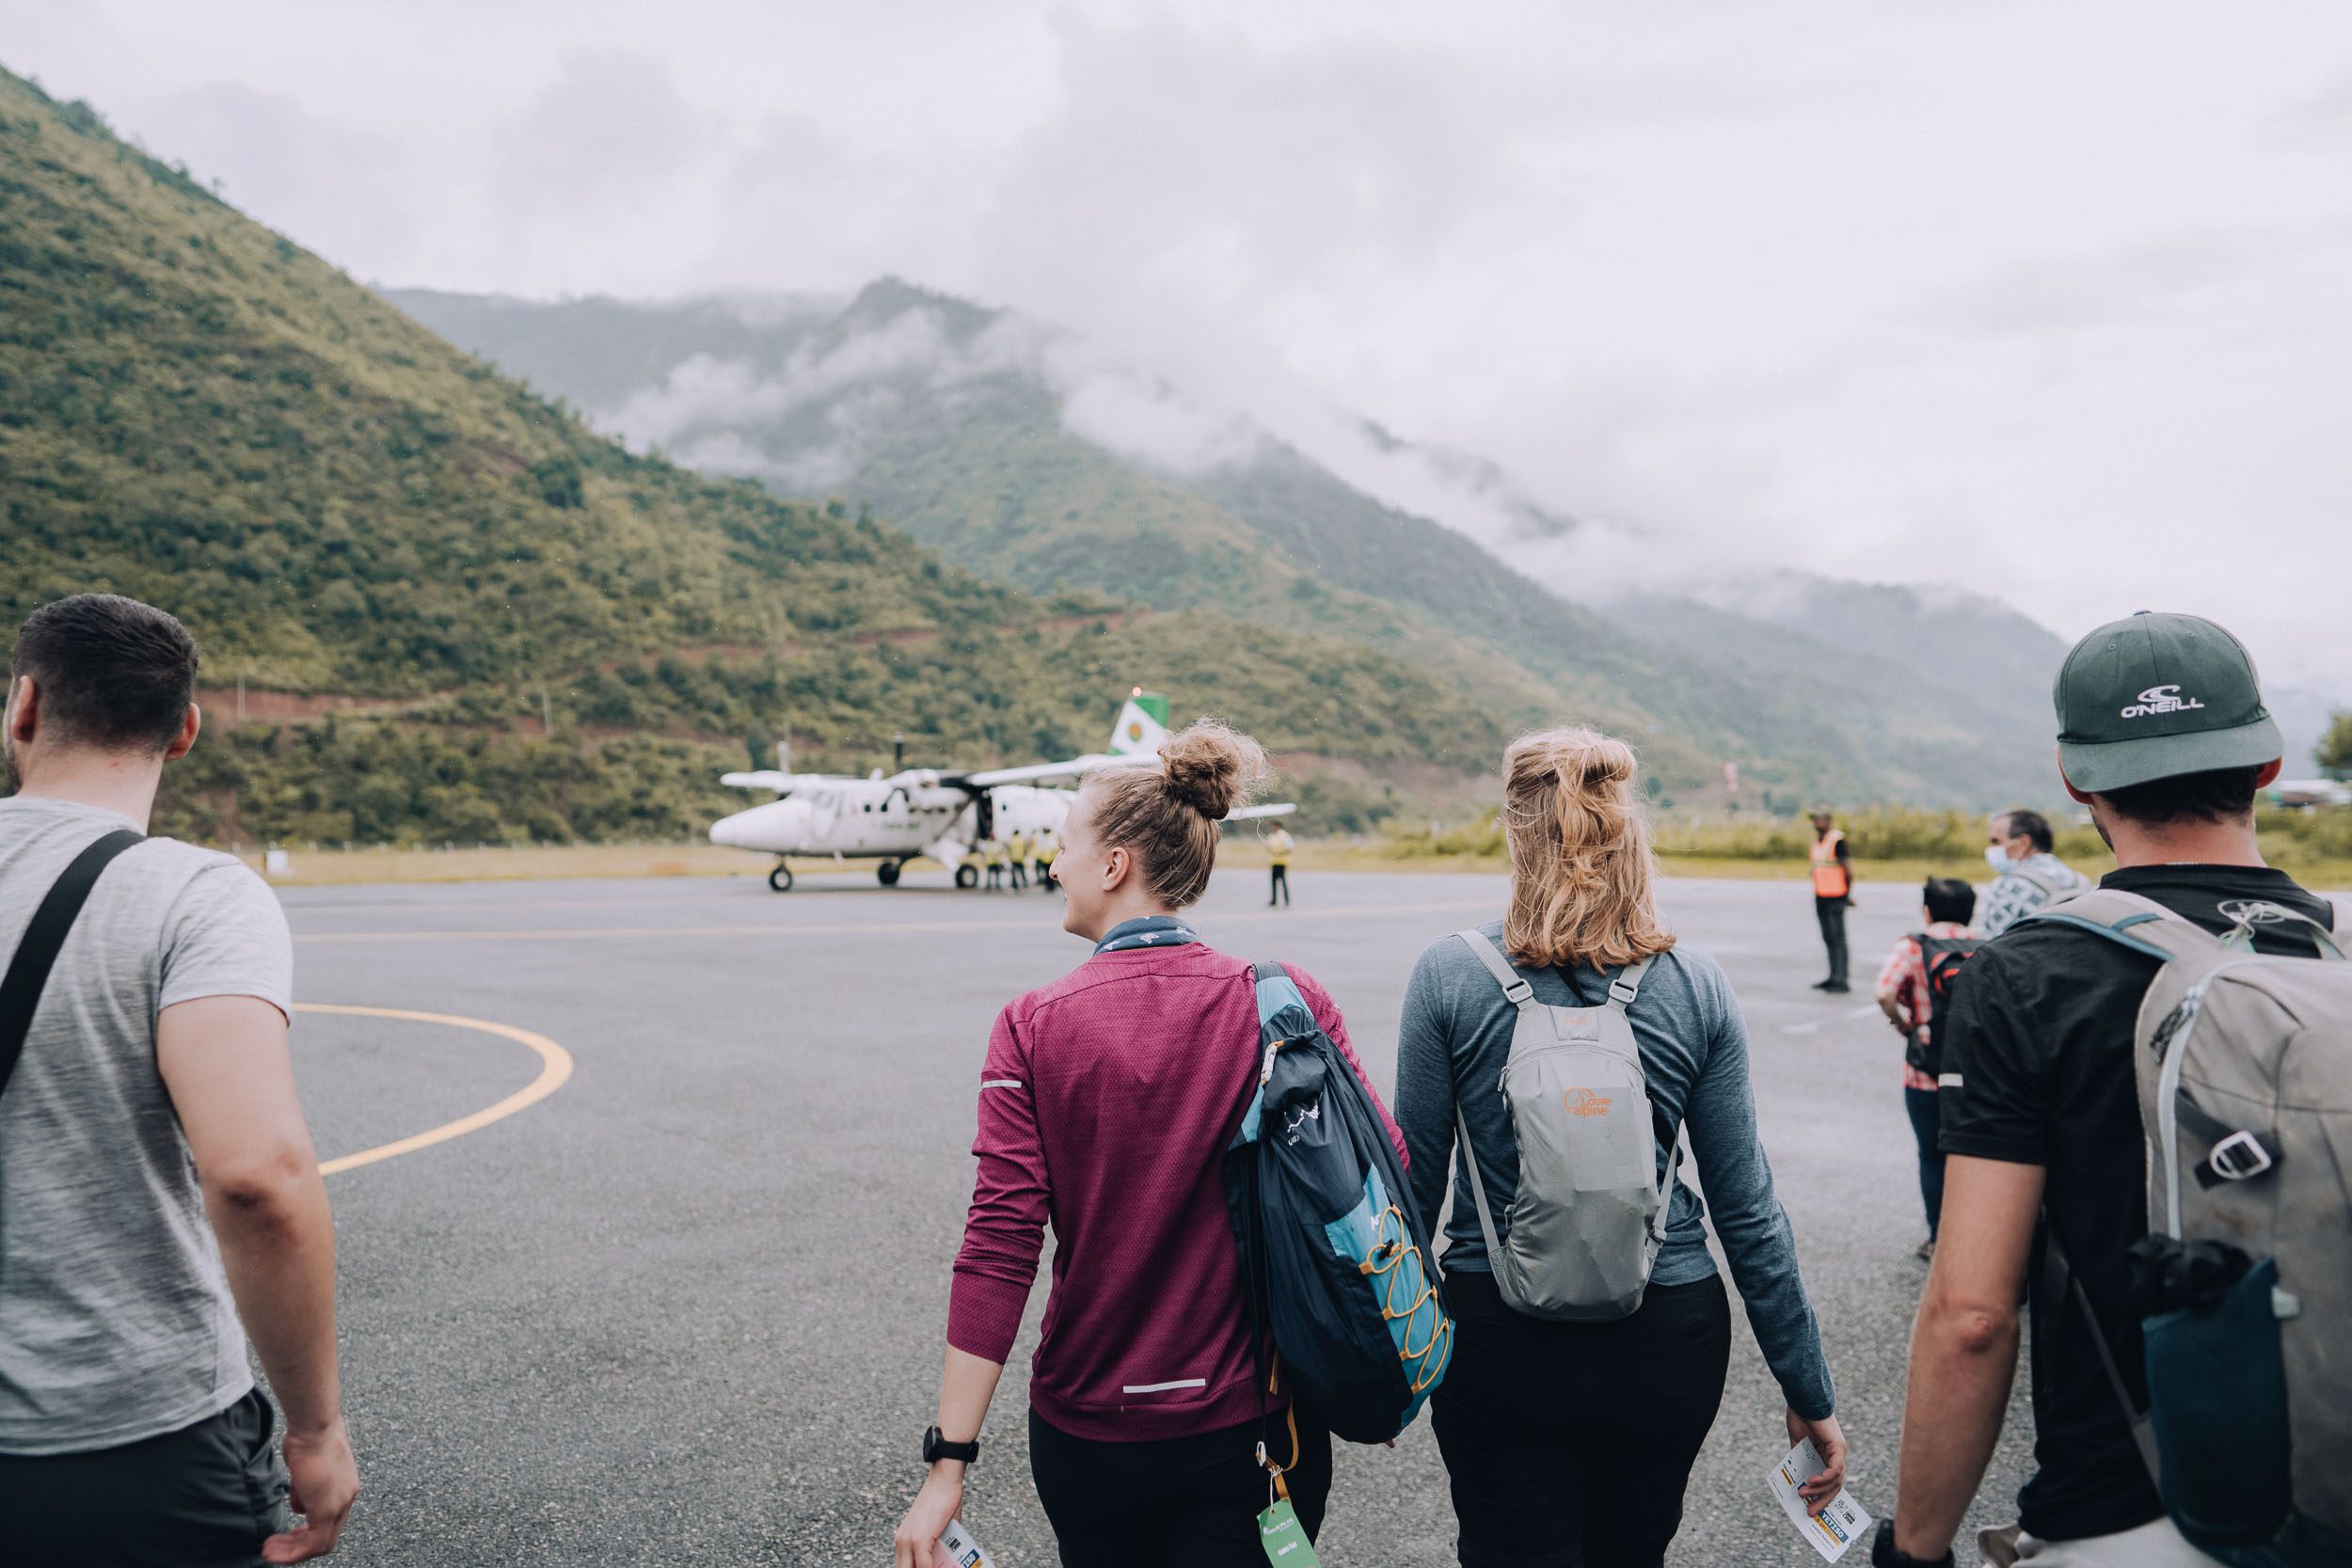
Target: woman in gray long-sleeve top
[[1570, 1442]]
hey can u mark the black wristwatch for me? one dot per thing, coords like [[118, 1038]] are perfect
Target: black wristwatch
[[1885, 1555], [936, 1448]]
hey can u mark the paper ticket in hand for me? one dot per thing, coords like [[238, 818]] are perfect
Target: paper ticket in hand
[[1833, 1527], [957, 1549]]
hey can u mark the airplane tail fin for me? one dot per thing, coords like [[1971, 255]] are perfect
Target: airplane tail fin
[[1142, 726]]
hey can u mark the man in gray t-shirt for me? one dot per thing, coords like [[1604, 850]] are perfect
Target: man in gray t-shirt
[[158, 1191]]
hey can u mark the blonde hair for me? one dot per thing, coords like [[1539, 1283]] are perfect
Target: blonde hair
[[1167, 818], [1582, 872]]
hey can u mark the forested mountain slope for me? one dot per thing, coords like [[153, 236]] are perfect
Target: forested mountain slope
[[197, 411]]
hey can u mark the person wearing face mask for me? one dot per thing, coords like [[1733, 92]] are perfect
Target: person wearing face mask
[[2028, 874]]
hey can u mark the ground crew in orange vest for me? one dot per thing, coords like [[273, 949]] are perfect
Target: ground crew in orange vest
[[1833, 895]]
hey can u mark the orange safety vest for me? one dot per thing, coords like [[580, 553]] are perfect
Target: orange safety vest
[[1829, 878]]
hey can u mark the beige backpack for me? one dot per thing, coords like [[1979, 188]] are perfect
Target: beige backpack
[[2244, 1063]]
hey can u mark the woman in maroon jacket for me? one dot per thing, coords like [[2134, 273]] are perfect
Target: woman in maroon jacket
[[1105, 1104]]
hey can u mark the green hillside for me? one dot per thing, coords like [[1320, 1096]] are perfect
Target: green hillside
[[198, 412], [949, 418]]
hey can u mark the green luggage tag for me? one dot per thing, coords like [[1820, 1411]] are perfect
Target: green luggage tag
[[1285, 1539]]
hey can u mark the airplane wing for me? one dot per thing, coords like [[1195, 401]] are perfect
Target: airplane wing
[[1279, 808], [783, 784], [1045, 771]]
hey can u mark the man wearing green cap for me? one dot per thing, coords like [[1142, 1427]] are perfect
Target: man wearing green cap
[[2163, 735]]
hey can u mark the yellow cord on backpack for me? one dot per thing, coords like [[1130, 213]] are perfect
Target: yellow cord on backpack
[[1388, 1252]]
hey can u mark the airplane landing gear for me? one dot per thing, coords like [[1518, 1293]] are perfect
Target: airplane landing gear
[[967, 875], [781, 877], [887, 873]]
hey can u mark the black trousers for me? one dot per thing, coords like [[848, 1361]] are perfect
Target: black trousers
[[1177, 1502], [1280, 886], [1569, 1444], [1832, 912], [204, 1496]]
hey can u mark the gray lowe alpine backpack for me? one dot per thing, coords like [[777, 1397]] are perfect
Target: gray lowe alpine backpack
[[1588, 1216], [2244, 1062]]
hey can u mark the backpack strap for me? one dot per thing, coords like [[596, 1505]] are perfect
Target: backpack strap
[[1628, 981], [1515, 986], [2147, 927], [2325, 939], [1622, 989], [1478, 1188], [1278, 996], [2129, 920], [2059, 1279], [44, 936]]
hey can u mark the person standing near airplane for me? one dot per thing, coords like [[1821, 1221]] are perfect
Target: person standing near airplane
[[1017, 859], [158, 1176], [1833, 895], [1041, 852], [1277, 847], [1106, 1099]]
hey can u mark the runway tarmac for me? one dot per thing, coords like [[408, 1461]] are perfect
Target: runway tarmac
[[688, 1307]]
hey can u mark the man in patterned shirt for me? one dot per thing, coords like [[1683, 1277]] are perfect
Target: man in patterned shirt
[[2019, 848], [1904, 996]]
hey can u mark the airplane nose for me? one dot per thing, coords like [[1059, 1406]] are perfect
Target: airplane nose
[[778, 826]]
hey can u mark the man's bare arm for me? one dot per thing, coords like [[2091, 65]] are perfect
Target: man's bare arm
[[225, 1062], [1963, 1347]]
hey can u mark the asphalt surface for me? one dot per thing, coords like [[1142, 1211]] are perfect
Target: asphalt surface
[[689, 1309]]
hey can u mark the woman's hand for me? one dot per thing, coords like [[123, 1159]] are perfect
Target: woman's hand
[[941, 1499], [1829, 1441]]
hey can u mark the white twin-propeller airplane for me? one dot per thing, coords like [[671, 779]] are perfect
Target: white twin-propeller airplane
[[929, 811]]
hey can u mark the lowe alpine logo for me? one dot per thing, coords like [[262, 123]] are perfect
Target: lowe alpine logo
[[2160, 699], [1584, 1103]]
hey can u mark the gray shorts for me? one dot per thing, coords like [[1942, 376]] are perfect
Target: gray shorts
[[204, 1496]]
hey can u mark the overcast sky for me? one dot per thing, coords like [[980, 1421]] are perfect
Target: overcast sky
[[2049, 301]]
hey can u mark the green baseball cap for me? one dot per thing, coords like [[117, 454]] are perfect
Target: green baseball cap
[[2155, 696]]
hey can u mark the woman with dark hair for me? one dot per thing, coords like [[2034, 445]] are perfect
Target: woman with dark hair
[[1107, 1101], [1571, 1442]]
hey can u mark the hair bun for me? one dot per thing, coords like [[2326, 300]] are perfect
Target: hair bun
[[1210, 768], [1607, 764]]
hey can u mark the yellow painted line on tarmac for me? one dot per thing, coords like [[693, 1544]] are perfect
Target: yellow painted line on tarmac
[[858, 928], [555, 1067]]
